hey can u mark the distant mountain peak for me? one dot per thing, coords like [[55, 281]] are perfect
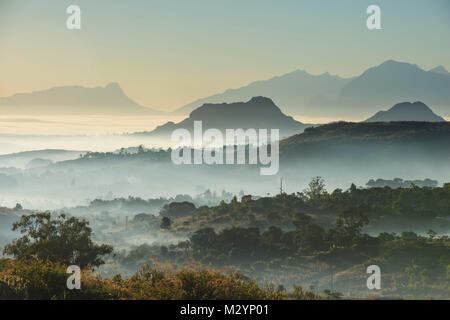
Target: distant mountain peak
[[440, 70], [256, 106], [261, 100], [113, 85], [257, 113], [394, 81], [410, 106], [407, 111], [395, 66]]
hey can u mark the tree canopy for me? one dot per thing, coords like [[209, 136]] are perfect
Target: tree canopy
[[62, 240]]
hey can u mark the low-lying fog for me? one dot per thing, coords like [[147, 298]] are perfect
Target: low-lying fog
[[64, 180], [93, 133]]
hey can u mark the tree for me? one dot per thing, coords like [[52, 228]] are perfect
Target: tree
[[204, 238], [316, 188], [301, 220], [351, 221], [431, 234], [177, 209], [309, 238], [61, 240], [348, 227], [166, 223]]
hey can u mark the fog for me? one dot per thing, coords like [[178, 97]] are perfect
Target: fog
[[73, 181], [115, 180], [93, 133]]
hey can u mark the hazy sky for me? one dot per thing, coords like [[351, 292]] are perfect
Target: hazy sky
[[168, 53]]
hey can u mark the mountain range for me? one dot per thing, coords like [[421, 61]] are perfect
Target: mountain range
[[108, 100], [258, 113], [294, 91], [300, 93], [407, 111]]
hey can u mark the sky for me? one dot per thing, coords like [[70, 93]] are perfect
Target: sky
[[167, 53]]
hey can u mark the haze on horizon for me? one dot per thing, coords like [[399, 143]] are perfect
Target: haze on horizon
[[166, 54]]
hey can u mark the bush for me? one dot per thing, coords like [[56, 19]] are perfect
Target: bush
[[36, 279]]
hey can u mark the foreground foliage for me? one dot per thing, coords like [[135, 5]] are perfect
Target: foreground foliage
[[63, 239], [36, 279]]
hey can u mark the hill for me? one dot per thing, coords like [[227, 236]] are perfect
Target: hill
[[339, 131], [388, 141], [258, 113], [108, 100], [407, 111], [21, 159]]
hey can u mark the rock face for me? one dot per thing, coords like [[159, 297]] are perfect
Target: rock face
[[407, 111], [257, 113], [108, 100]]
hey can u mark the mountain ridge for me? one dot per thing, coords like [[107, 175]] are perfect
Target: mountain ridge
[[394, 81], [369, 140], [110, 99], [300, 93], [286, 90]]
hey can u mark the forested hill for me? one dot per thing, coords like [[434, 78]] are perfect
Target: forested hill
[[377, 130], [426, 138], [423, 134]]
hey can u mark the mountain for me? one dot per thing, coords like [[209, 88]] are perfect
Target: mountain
[[258, 113], [303, 94], [391, 82], [108, 100], [407, 111], [295, 91], [441, 70]]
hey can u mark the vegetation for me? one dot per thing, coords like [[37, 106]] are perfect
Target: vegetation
[[400, 183], [38, 279], [308, 235], [61, 240], [393, 210], [281, 241]]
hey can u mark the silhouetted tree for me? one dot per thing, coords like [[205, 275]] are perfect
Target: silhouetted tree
[[64, 240]]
